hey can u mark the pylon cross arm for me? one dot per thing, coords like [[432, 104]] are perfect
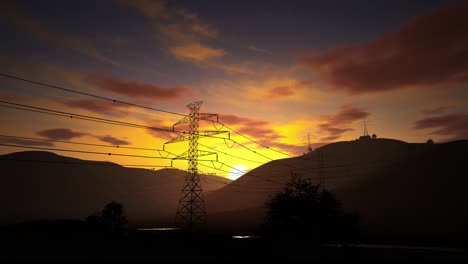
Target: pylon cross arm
[[208, 133], [201, 153], [198, 116]]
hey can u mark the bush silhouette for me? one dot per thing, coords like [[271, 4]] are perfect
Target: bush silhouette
[[306, 211]]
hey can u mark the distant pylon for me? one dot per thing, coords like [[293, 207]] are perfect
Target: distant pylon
[[309, 146], [366, 133], [191, 210]]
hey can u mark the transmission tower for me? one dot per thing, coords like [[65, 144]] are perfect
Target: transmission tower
[[191, 210], [309, 146], [366, 133]]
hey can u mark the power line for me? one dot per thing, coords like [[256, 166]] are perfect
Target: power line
[[131, 104], [88, 94], [87, 144], [254, 151], [78, 116], [89, 152], [61, 115], [203, 145], [94, 163], [244, 146], [212, 167], [108, 121], [258, 143]]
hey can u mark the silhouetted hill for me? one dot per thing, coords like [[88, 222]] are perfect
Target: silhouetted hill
[[43, 185], [401, 190]]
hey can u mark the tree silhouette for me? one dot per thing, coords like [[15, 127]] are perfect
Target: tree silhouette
[[112, 218], [303, 210]]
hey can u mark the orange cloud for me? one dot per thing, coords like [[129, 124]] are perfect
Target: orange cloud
[[281, 91], [286, 87], [181, 29], [195, 52], [204, 30], [430, 49]]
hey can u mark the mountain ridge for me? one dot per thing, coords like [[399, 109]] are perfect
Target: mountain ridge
[[399, 189], [45, 185]]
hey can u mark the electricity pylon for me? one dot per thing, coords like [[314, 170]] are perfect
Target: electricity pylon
[[191, 210], [366, 133]]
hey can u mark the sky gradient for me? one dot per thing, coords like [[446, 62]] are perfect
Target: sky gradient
[[274, 71]]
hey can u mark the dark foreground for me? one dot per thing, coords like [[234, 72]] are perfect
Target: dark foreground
[[166, 246]]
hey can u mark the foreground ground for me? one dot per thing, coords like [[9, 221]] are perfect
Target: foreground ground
[[166, 246]]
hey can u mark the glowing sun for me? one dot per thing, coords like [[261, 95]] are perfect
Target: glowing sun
[[237, 171]]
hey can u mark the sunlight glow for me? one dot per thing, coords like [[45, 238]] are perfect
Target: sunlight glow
[[237, 172]]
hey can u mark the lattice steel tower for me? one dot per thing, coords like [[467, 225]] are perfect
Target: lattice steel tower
[[366, 133], [191, 209]]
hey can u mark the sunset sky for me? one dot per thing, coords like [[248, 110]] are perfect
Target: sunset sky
[[273, 71]]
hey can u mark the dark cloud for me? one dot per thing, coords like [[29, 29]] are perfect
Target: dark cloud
[[435, 110], [281, 91], [245, 121], [334, 133], [112, 140], [158, 133], [60, 134], [137, 89], [335, 125], [430, 49], [25, 142], [306, 82], [452, 126], [98, 106], [13, 97], [256, 128]]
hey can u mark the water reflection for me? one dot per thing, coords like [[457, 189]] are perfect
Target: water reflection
[[158, 229], [244, 237]]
